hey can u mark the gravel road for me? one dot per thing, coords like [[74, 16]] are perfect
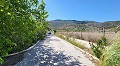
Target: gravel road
[[54, 51]]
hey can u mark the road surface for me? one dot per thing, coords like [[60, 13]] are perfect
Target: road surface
[[54, 51]]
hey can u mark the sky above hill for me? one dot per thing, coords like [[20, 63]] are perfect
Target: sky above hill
[[95, 10]]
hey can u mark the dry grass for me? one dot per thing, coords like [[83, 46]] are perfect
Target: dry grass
[[87, 52], [92, 36], [72, 41], [77, 44]]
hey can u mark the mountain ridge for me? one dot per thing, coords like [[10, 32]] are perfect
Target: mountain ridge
[[80, 25]]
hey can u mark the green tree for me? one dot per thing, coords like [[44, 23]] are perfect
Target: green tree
[[22, 23]]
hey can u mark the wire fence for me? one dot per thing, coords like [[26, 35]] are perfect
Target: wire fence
[[93, 36]]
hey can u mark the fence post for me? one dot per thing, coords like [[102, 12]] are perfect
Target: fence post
[[104, 32]]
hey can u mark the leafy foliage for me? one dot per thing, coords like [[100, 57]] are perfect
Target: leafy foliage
[[22, 23], [111, 55], [99, 47]]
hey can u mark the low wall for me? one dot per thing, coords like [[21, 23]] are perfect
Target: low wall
[[14, 58]]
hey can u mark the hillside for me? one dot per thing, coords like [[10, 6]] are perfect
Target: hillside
[[74, 25]]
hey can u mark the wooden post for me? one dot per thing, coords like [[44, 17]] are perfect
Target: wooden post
[[81, 34], [104, 32]]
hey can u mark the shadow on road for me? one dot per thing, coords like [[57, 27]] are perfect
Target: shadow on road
[[43, 55]]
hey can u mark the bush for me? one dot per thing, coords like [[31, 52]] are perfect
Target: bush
[[99, 47], [22, 23], [54, 31], [111, 55]]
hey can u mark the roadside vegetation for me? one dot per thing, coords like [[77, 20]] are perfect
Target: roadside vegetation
[[106, 48], [99, 47], [75, 43], [22, 23], [111, 55], [107, 51], [89, 52], [96, 48]]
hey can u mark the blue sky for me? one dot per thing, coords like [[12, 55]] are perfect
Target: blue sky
[[95, 10]]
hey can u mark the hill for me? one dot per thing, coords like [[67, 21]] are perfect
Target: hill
[[74, 25]]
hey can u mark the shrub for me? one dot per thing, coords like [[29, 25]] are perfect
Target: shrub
[[99, 47], [111, 55], [54, 31]]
